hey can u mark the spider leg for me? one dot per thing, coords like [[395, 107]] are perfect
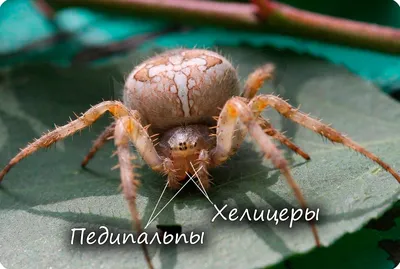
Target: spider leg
[[256, 80], [253, 84], [271, 131], [240, 134], [116, 108], [129, 181], [235, 108], [260, 102], [102, 139]]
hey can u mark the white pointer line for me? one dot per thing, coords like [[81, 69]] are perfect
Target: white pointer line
[[159, 199], [151, 220], [204, 190]]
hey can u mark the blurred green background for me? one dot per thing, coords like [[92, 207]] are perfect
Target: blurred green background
[[80, 29]]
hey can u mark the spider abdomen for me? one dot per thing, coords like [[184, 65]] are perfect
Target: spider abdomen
[[181, 86]]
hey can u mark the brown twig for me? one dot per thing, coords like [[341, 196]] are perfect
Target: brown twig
[[266, 16]]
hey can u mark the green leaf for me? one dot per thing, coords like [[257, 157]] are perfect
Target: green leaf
[[47, 194]]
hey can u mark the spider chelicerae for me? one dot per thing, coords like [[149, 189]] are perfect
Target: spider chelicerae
[[190, 101]]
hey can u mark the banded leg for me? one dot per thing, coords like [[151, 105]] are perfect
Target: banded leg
[[90, 116], [271, 131], [128, 178], [260, 102], [240, 134], [116, 108], [101, 140], [235, 108], [256, 80], [253, 84]]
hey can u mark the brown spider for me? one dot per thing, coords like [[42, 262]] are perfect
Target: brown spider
[[176, 95]]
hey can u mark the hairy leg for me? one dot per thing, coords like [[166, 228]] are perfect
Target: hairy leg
[[129, 180], [271, 131], [253, 84], [240, 134], [236, 108], [138, 135], [99, 142], [256, 80], [260, 102]]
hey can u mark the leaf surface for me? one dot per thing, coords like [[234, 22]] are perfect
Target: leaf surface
[[47, 194]]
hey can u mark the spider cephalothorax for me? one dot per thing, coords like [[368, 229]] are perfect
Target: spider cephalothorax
[[190, 100], [185, 147]]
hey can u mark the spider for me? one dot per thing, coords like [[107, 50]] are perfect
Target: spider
[[174, 97]]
